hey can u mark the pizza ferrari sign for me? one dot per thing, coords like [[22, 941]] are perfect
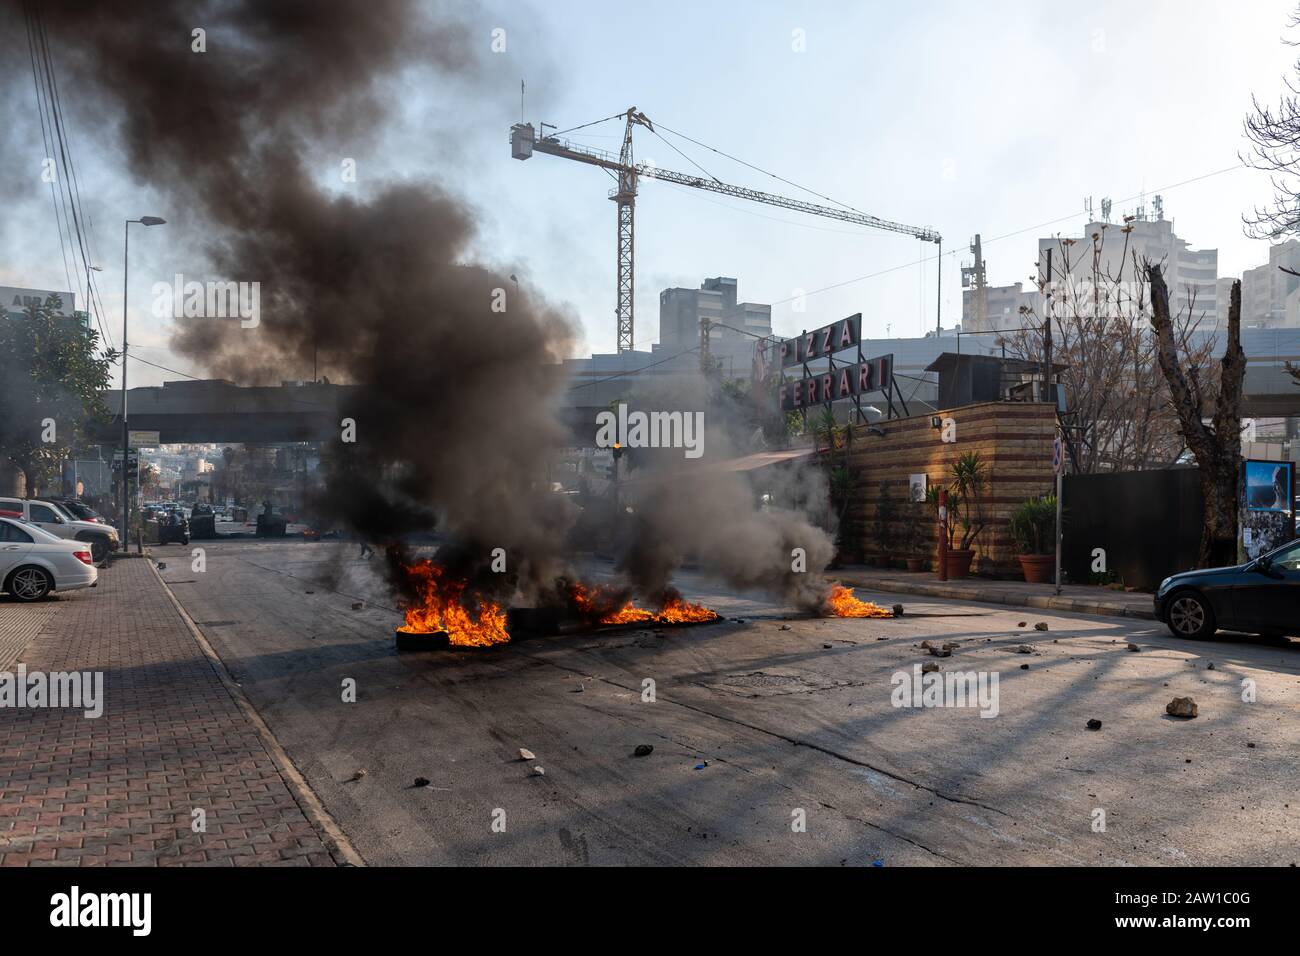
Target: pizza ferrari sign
[[842, 382], [821, 343], [848, 378]]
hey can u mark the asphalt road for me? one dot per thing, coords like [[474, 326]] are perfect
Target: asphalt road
[[755, 728]]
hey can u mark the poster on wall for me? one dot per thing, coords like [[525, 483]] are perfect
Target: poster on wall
[[1268, 486], [1267, 506], [916, 487]]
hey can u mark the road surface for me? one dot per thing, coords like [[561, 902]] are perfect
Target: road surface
[[771, 745]]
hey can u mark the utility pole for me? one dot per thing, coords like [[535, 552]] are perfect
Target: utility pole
[[126, 428], [1047, 329]]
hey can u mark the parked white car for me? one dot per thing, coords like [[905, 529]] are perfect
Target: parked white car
[[34, 562], [51, 517]]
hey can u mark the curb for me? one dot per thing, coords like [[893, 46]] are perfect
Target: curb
[[332, 835], [1009, 598]]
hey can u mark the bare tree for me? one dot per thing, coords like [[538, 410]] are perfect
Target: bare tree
[[1274, 137], [1117, 394], [1215, 441]]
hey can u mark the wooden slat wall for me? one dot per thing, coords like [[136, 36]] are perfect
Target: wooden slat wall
[[1014, 439]]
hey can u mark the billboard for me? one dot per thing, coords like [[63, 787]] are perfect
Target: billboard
[[822, 343], [16, 301], [1267, 506], [842, 382]]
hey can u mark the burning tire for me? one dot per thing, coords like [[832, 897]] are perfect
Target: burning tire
[[422, 640]]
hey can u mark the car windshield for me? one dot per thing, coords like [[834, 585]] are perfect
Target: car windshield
[[1286, 558], [60, 510]]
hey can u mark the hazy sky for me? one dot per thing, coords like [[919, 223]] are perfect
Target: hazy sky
[[997, 118]]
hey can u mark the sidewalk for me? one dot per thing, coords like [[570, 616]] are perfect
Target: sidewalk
[[122, 788], [1077, 598]]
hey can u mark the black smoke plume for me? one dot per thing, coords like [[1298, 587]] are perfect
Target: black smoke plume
[[372, 281]]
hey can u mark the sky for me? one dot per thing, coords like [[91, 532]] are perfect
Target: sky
[[999, 118]]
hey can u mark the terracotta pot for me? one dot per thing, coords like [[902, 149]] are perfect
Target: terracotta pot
[[959, 563], [1038, 568], [918, 564]]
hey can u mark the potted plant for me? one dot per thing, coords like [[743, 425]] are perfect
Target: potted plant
[[914, 539], [1033, 529], [884, 525], [965, 508]]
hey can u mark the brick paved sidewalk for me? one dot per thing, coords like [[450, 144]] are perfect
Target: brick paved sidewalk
[[121, 788]]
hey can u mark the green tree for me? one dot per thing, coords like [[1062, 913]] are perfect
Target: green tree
[[50, 390]]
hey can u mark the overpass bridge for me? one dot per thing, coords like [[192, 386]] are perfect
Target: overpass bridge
[[222, 412]]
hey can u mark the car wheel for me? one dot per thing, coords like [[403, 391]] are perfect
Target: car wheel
[[1189, 615], [30, 583]]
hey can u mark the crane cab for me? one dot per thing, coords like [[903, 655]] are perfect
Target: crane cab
[[522, 137]]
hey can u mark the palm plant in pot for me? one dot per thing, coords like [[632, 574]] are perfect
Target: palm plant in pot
[[965, 508], [1033, 529]]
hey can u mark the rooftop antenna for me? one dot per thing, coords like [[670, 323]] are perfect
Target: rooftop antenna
[[521, 99]]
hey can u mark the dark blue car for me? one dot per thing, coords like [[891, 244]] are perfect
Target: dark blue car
[[1259, 597]]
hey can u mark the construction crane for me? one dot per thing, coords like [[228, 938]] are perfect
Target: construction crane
[[627, 172]]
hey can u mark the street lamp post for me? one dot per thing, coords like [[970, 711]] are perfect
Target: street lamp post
[[126, 429]]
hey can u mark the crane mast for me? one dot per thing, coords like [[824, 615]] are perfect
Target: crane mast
[[627, 172]]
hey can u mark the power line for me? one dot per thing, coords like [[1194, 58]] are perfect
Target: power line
[[1006, 235]]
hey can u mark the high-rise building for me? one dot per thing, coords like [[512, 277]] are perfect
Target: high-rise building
[[1122, 248], [734, 326], [1270, 297]]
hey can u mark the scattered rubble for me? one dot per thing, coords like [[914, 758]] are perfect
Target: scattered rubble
[[929, 667], [356, 776], [951, 645], [1040, 626], [526, 754], [1094, 724], [827, 646], [784, 627], [421, 782], [540, 771], [1024, 649], [898, 610], [1133, 647], [1181, 707], [1024, 667], [358, 605], [940, 651], [643, 750]]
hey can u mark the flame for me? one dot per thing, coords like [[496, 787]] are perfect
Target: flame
[[593, 602], [438, 605], [842, 603]]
